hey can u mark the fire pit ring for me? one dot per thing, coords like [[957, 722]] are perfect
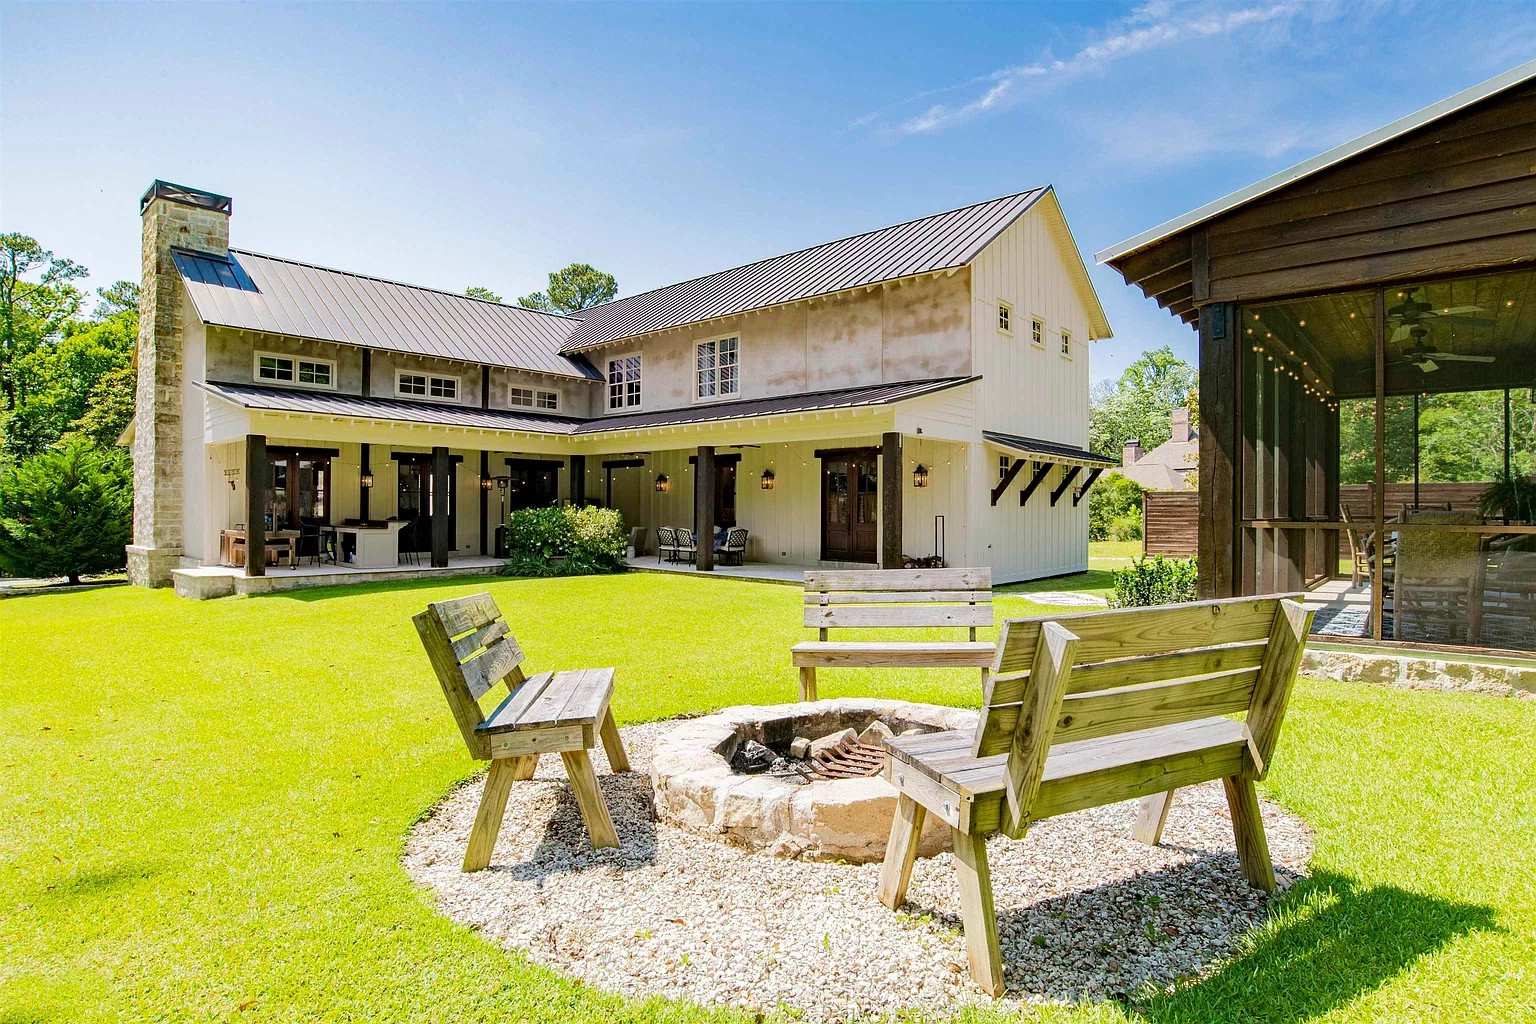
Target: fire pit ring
[[785, 812]]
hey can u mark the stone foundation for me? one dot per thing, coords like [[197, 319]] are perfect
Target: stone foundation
[[834, 819], [152, 567], [1417, 672]]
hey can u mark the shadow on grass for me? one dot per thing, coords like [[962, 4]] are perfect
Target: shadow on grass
[[331, 591], [1329, 941]]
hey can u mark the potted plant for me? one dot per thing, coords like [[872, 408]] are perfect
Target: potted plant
[[1511, 496]]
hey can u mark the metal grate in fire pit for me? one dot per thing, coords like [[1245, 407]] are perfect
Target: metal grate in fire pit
[[850, 759]]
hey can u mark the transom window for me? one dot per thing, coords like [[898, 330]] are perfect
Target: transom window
[[1005, 318], [1037, 331], [531, 399], [717, 373], [426, 385], [1066, 343], [624, 382], [315, 373]]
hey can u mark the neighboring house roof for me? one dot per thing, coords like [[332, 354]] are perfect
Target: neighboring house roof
[[253, 292], [942, 241], [1048, 451], [1166, 467], [327, 403], [1323, 161]]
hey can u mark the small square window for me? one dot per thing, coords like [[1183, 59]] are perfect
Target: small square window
[[549, 400], [411, 384], [1037, 331], [1005, 318], [274, 368], [1066, 343], [318, 374], [443, 387], [521, 396]]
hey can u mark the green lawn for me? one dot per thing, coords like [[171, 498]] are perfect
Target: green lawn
[[204, 803]]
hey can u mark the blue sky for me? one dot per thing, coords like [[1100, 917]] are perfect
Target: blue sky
[[458, 144]]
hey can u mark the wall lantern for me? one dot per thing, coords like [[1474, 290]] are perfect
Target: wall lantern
[[768, 479], [663, 484], [487, 482], [366, 480], [920, 476]]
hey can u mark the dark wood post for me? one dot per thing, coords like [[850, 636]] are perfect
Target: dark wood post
[[1219, 364], [704, 508], [578, 480], [1378, 501], [367, 373], [365, 469], [1295, 412], [256, 470], [485, 501], [442, 471], [892, 475], [1246, 579]]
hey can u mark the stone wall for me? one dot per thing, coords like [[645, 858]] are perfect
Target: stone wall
[[1417, 672], [168, 222]]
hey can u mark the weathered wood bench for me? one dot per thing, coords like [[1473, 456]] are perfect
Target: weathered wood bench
[[1091, 709], [895, 598], [471, 650]]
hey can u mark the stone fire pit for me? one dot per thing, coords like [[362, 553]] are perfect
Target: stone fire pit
[[697, 789]]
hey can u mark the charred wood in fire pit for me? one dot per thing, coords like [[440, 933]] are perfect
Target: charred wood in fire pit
[[752, 757]]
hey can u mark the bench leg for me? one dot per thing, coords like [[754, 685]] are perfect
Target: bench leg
[[807, 683], [1248, 829], [493, 804], [613, 746], [901, 851], [977, 913], [1151, 816], [589, 798], [524, 767]]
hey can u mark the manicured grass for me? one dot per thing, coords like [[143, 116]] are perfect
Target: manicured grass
[[1111, 554], [204, 805]]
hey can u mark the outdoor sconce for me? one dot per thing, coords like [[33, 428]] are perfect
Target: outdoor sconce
[[768, 479], [366, 480], [920, 476], [486, 483], [663, 484]]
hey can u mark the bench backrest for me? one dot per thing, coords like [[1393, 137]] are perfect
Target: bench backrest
[[898, 598], [1082, 676], [471, 650]]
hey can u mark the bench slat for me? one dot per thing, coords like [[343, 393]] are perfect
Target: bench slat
[[1133, 708], [875, 580], [507, 713], [898, 616], [462, 614], [485, 670], [1130, 671], [485, 636], [901, 597], [896, 654]]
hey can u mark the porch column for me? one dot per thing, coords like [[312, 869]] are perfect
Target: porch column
[[892, 474], [1218, 526], [365, 469], [578, 480], [256, 469], [704, 508], [485, 500], [442, 468]]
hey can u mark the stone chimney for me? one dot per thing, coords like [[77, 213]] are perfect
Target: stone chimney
[[1179, 421], [1132, 453], [174, 217]]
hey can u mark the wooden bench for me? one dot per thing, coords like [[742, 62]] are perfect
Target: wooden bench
[[1091, 709], [472, 650], [896, 598]]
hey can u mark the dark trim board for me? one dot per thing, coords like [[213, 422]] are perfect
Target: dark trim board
[[556, 464], [418, 456], [304, 453], [866, 451], [632, 463], [720, 460]]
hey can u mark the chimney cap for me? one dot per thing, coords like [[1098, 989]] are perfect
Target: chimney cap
[[185, 195]]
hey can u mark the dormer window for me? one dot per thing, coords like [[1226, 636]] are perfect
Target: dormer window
[[624, 383], [717, 373]]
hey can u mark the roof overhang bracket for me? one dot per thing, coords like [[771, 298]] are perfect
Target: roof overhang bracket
[[1066, 481], [1041, 469], [1003, 484], [1082, 490]]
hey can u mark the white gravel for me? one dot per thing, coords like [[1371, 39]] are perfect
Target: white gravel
[[1085, 912]]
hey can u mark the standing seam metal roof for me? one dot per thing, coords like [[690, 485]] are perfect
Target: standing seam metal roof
[[938, 242], [253, 292]]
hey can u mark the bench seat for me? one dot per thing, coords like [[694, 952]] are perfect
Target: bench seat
[[893, 654], [556, 710], [1078, 774]]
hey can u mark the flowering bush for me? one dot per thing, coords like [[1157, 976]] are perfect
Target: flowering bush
[[565, 541]]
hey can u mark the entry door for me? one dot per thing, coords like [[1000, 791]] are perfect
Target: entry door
[[417, 502], [850, 495]]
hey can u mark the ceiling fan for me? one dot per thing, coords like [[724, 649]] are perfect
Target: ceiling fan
[[1412, 312], [1423, 354]]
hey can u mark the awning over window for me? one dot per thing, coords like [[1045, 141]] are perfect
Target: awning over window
[[1048, 451]]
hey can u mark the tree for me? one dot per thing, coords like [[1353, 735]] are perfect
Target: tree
[[78, 384], [1138, 405], [1114, 508], [66, 512], [31, 311], [120, 298], [576, 287], [475, 291]]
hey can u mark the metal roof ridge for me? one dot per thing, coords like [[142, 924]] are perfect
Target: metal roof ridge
[[1517, 75]]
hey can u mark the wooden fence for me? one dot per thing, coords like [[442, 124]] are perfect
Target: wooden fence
[[1169, 518]]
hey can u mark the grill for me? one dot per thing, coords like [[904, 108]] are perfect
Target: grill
[[850, 759]]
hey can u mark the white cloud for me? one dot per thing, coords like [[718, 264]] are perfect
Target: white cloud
[[1152, 26]]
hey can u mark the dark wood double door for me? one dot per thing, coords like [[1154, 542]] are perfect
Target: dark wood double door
[[417, 501], [850, 502]]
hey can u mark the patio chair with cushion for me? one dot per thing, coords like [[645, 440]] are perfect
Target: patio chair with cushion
[[666, 543], [687, 546], [734, 550], [1439, 578]]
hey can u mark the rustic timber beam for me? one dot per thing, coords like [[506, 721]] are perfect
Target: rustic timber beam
[[1175, 296], [1163, 256], [442, 501], [1002, 485], [1081, 492], [256, 470], [1041, 471], [704, 509], [892, 475], [1066, 481]]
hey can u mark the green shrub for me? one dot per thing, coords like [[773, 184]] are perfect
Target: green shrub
[[1126, 527], [1158, 580], [66, 512], [1113, 499], [565, 541]]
